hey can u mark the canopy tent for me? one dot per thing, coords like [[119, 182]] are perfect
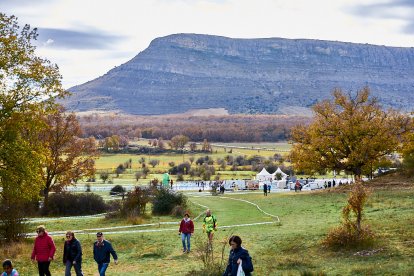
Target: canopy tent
[[279, 171], [264, 175]]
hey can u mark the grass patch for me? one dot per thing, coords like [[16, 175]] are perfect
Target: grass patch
[[292, 248]]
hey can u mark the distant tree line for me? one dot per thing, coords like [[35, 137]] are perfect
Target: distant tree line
[[231, 128]]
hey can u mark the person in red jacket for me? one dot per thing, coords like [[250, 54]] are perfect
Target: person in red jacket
[[43, 251], [186, 230]]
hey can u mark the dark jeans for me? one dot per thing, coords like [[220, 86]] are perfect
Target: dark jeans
[[43, 268], [102, 268], [77, 266]]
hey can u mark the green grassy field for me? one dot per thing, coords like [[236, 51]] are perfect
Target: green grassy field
[[292, 247], [109, 162]]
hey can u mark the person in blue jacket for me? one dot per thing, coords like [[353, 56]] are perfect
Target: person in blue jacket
[[238, 254], [101, 253]]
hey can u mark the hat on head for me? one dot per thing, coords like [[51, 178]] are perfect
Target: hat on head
[[99, 234]]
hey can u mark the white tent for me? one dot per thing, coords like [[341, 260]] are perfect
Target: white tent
[[284, 175], [264, 175]]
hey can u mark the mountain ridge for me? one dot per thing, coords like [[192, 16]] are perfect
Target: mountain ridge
[[182, 72]]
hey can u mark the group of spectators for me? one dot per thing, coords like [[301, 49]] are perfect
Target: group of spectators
[[44, 250]]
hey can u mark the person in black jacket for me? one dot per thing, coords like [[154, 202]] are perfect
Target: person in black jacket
[[72, 254], [101, 253], [238, 255]]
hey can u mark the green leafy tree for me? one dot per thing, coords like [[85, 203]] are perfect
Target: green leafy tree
[[28, 87], [349, 133], [112, 143]]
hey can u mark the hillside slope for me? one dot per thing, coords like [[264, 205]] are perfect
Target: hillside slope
[[182, 72]]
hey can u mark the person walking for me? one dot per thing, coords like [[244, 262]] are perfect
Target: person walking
[[265, 189], [186, 230], [8, 269], [238, 257], [72, 254], [102, 249], [43, 251], [298, 187], [209, 227]]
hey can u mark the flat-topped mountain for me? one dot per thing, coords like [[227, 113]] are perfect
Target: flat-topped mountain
[[181, 72]]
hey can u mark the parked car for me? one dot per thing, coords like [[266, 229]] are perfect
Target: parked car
[[312, 186]]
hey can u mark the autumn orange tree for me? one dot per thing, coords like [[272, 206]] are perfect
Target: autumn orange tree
[[407, 151], [69, 156], [178, 142], [351, 132], [28, 87]]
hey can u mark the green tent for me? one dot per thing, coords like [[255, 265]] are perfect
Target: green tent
[[165, 179]]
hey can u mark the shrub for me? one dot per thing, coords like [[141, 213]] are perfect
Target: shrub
[[120, 169], [178, 211], [68, 204], [104, 176], [347, 236], [145, 172], [114, 205], [117, 189], [154, 162], [212, 264], [165, 201], [183, 168], [138, 175], [136, 202], [12, 214], [352, 233], [180, 177]]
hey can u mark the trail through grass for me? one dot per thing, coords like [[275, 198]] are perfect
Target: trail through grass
[[290, 248]]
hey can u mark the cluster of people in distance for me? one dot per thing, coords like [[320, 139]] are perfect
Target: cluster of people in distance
[[44, 250]]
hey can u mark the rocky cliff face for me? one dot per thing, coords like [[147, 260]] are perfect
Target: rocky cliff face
[[181, 72]]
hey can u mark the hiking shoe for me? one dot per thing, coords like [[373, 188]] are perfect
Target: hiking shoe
[[188, 251]]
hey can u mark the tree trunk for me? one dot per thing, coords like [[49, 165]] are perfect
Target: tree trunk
[[46, 195], [357, 172], [358, 221]]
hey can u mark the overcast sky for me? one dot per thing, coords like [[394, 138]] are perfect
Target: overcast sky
[[86, 38]]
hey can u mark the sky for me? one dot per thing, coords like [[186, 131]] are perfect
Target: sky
[[87, 38]]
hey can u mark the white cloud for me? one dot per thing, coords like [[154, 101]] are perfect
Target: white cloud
[[48, 42]]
